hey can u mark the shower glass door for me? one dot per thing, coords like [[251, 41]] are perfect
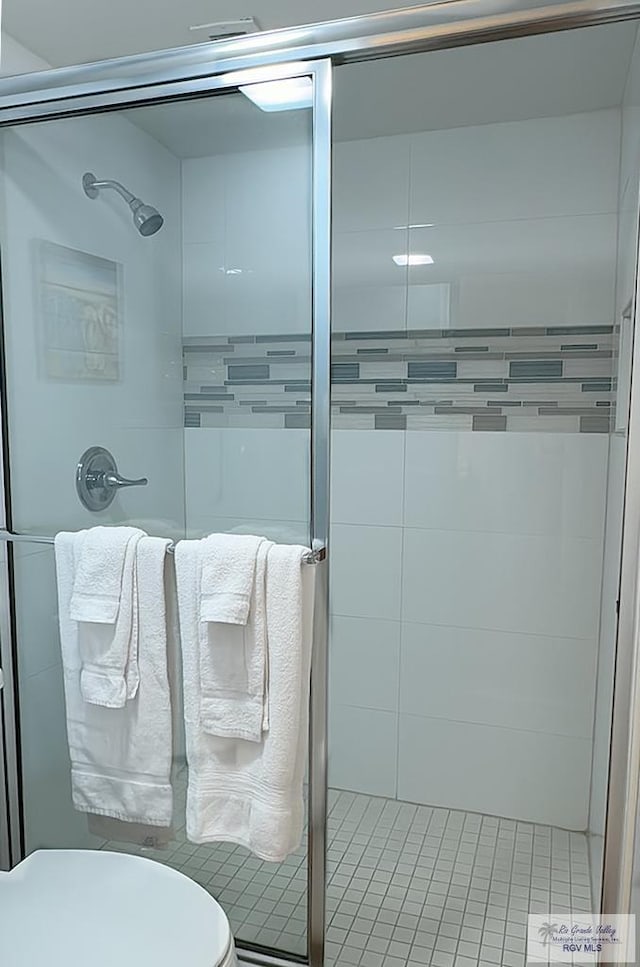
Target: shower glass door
[[166, 315], [484, 272]]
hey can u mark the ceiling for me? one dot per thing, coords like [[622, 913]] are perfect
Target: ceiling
[[66, 32], [544, 76]]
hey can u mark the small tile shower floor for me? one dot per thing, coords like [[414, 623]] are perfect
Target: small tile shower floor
[[409, 886]]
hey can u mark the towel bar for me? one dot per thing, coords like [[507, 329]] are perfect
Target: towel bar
[[313, 557]]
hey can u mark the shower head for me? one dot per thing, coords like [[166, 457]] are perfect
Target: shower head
[[146, 218]]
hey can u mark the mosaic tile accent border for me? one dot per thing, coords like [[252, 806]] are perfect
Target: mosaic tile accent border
[[559, 379]]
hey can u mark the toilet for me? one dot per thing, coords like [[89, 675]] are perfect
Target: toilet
[[70, 908]]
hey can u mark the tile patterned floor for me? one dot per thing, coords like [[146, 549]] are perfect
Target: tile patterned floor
[[409, 886], [414, 885]]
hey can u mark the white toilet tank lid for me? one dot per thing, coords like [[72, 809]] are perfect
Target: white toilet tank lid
[[70, 908]]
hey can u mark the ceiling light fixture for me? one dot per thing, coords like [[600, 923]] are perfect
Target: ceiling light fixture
[[415, 258], [288, 94]]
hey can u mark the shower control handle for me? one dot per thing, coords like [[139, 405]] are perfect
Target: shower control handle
[[98, 480], [115, 480]]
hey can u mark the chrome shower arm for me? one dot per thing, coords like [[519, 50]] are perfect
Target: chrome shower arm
[[128, 197]]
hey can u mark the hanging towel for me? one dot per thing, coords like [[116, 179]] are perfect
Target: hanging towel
[[247, 792], [233, 657], [97, 584], [120, 757], [227, 577], [142, 834], [103, 601]]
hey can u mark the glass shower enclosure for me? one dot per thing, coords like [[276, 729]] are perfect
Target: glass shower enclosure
[[152, 386], [167, 259]]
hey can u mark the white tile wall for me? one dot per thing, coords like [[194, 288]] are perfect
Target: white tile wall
[[508, 680], [371, 184], [429, 302], [362, 750], [552, 299], [365, 575], [483, 585], [247, 246], [204, 287], [367, 477], [204, 191], [544, 487], [506, 582], [498, 270], [364, 662], [503, 772], [246, 261], [368, 307], [370, 290], [520, 219], [247, 473]]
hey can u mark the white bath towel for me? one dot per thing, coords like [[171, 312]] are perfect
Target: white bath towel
[[97, 583], [103, 601], [233, 657], [246, 792], [120, 757], [227, 577]]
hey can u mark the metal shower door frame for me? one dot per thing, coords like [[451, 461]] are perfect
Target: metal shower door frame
[[145, 77], [84, 103]]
